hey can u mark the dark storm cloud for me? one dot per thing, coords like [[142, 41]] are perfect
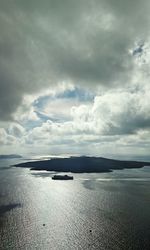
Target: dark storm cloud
[[10, 94], [46, 42], [129, 124]]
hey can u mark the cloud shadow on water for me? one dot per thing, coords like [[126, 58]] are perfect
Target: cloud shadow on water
[[6, 208], [5, 168], [89, 184]]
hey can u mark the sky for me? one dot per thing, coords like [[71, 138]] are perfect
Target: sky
[[74, 77]]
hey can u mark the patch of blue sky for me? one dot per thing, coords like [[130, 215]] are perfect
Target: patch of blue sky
[[77, 93], [42, 116], [42, 101], [54, 118], [30, 124]]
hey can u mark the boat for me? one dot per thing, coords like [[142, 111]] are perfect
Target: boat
[[62, 177]]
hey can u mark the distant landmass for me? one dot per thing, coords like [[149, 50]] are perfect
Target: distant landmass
[[12, 156], [83, 164]]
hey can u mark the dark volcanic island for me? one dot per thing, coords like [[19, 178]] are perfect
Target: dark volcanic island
[[83, 164]]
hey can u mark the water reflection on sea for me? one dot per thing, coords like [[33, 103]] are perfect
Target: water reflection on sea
[[94, 211]]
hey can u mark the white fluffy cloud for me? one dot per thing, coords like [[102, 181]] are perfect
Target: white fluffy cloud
[[115, 117], [6, 139]]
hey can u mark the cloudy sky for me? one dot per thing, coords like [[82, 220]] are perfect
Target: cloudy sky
[[75, 77]]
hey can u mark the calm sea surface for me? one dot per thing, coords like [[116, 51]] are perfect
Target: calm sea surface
[[94, 211]]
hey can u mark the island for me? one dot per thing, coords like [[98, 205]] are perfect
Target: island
[[82, 164], [62, 177]]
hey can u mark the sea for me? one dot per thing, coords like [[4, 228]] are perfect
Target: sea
[[94, 211]]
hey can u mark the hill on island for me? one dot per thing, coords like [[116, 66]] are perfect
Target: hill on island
[[83, 164]]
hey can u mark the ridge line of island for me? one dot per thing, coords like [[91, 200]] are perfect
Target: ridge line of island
[[82, 164]]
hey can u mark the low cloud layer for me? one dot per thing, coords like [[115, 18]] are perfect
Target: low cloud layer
[[115, 119]]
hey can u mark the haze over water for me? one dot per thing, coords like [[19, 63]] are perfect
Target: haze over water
[[94, 211]]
